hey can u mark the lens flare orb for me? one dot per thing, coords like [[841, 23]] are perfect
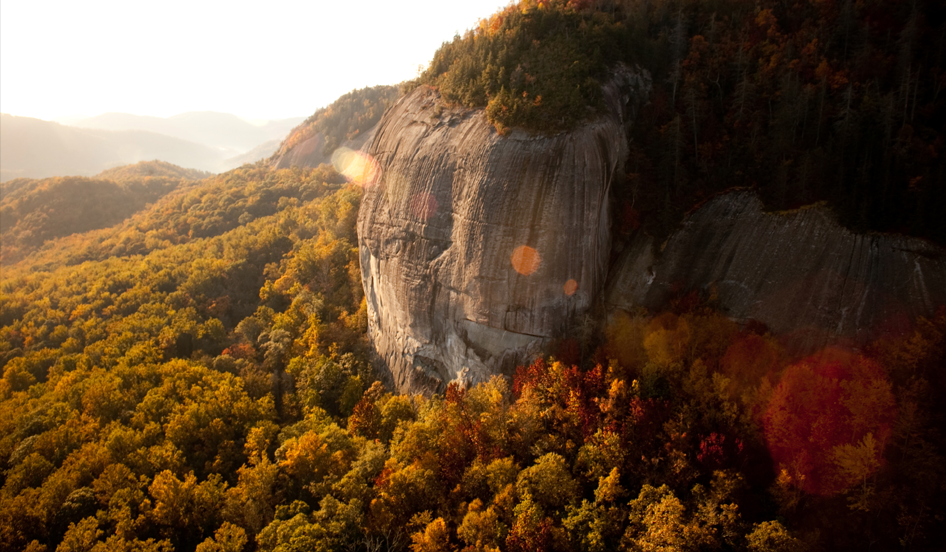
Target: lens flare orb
[[525, 260], [423, 206], [571, 287], [357, 167]]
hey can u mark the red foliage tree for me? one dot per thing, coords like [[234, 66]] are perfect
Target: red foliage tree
[[571, 391], [823, 408]]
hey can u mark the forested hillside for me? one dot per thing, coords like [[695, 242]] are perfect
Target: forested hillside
[[808, 101], [197, 377], [33, 212], [203, 314], [347, 119]]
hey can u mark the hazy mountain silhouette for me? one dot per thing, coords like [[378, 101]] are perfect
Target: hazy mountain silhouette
[[34, 148], [261, 151], [218, 130]]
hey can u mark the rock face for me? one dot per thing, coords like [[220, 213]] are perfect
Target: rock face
[[799, 272], [308, 153], [476, 248]]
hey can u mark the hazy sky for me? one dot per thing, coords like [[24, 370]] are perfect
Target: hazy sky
[[258, 60]]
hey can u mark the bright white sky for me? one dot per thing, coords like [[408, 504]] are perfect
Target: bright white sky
[[262, 60]]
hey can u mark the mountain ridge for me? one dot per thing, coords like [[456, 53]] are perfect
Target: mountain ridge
[[215, 129], [33, 148], [208, 141], [36, 211]]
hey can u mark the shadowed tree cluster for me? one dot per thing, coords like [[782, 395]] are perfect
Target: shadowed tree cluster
[[835, 100]]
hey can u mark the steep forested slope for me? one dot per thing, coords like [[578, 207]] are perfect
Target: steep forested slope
[[33, 212], [838, 100], [346, 121]]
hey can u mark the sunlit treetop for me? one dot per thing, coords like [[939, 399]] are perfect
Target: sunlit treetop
[[534, 65]]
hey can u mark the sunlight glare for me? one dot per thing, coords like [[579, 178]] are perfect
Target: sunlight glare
[[356, 166]]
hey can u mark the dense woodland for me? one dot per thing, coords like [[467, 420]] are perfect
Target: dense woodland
[[33, 212], [834, 100], [193, 374]]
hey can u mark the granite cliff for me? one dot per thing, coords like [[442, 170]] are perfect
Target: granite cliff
[[476, 247]]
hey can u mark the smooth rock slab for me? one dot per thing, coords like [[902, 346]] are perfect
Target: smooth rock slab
[[800, 272]]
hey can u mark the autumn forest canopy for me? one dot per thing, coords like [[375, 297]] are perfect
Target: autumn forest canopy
[[184, 356]]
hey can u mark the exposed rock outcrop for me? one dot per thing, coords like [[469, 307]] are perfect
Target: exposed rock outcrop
[[310, 152], [476, 248], [799, 272]]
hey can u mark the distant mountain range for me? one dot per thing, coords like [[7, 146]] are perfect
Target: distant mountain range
[[223, 131], [208, 141]]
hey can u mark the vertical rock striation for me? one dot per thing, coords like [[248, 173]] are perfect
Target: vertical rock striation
[[476, 248]]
